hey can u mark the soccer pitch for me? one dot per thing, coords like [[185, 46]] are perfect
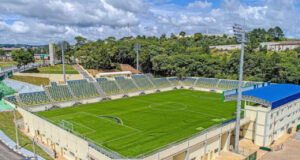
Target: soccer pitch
[[140, 125]]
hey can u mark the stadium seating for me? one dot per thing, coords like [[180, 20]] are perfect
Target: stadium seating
[[174, 80], [228, 84], [34, 98], [101, 79], [207, 82], [142, 81], [12, 99], [109, 87], [60, 93], [249, 83], [82, 89], [126, 84], [189, 81], [53, 83], [161, 82]]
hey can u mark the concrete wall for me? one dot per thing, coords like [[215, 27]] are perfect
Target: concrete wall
[[63, 142], [267, 125], [53, 77]]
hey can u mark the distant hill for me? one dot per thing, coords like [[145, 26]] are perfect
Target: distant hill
[[20, 45]]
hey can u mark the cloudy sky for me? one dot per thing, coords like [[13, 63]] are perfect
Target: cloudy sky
[[41, 21]]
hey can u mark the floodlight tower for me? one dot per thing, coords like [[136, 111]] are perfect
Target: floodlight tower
[[63, 60], [239, 33], [137, 47]]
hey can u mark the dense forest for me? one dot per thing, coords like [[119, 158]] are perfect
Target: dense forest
[[183, 56]]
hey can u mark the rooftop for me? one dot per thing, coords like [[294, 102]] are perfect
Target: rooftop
[[277, 94]]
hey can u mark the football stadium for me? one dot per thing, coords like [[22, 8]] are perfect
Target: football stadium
[[142, 117], [149, 80]]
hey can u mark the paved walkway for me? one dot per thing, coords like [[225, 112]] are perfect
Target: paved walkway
[[7, 154], [22, 87], [290, 151], [83, 72], [12, 146]]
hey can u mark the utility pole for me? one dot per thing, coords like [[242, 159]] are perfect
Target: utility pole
[[33, 142], [239, 33], [137, 47], [16, 126], [63, 60]]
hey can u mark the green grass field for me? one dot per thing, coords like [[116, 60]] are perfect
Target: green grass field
[[32, 80], [147, 123], [7, 63], [57, 69]]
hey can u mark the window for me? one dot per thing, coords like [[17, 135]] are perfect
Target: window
[[193, 158], [272, 116], [277, 113], [216, 150], [282, 128], [271, 126]]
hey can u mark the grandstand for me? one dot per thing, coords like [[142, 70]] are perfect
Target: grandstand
[[34, 98], [108, 86], [127, 85], [207, 83], [225, 84], [60, 93], [189, 81], [142, 81], [174, 80], [12, 100], [161, 82], [82, 89]]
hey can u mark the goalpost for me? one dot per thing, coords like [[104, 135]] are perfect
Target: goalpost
[[66, 125]]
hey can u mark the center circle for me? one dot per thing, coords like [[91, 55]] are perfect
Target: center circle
[[167, 106]]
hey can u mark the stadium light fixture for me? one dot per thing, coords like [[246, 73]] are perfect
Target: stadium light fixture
[[16, 126], [239, 34], [137, 47], [63, 60]]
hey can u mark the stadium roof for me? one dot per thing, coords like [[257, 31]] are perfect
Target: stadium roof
[[276, 95]]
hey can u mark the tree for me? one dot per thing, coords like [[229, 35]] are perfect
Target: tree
[[197, 36], [2, 53], [79, 41], [22, 57], [278, 33], [182, 34]]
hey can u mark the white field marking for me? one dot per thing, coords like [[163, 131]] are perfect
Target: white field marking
[[110, 121], [92, 130], [211, 115], [64, 115], [163, 104], [104, 116], [125, 136], [206, 114], [204, 97]]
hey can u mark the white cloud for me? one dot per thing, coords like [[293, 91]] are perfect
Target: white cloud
[[200, 4], [41, 21], [19, 27]]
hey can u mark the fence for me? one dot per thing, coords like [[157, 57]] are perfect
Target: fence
[[252, 156]]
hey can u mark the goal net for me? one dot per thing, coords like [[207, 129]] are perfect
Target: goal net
[[66, 125]]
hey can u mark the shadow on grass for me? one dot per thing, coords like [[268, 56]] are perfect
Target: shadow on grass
[[35, 70]]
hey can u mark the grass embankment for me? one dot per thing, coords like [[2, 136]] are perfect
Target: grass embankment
[[9, 63], [8, 127], [144, 124], [32, 80], [57, 69]]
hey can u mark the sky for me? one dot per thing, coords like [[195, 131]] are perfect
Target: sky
[[42, 21]]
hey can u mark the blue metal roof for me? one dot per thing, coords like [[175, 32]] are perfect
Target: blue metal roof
[[277, 94]]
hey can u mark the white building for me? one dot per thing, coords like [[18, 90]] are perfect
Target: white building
[[276, 111]]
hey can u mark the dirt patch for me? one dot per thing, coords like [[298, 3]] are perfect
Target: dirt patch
[[94, 72]]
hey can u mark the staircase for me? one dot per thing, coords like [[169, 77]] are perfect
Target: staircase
[[48, 95], [99, 89], [83, 72]]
